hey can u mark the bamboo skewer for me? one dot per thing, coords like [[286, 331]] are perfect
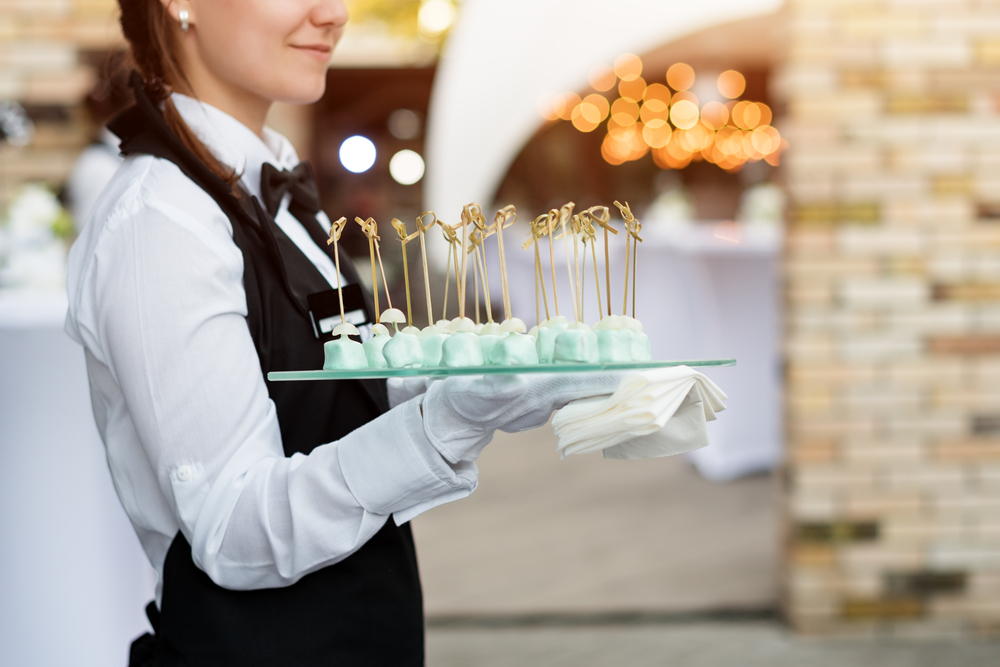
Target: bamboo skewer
[[565, 214], [538, 229], [336, 230], [370, 228], [551, 221], [422, 230], [632, 228], [602, 216], [504, 217], [452, 238], [400, 228], [590, 234], [478, 241]]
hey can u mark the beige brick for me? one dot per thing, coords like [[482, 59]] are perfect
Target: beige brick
[[881, 556], [806, 158], [832, 427], [859, 504], [936, 212], [833, 374], [863, 452], [855, 241], [881, 399], [820, 320], [805, 79], [809, 242], [900, 293], [879, 347], [913, 530], [964, 556], [947, 372], [926, 477], [847, 105], [816, 478], [969, 400], [931, 160], [965, 607], [814, 506], [861, 186], [815, 401], [935, 319], [877, 24]]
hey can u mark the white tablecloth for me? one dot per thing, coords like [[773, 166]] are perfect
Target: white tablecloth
[[73, 579], [705, 291]]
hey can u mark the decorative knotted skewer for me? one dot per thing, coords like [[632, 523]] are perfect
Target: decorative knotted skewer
[[587, 219], [632, 228], [552, 221], [602, 216], [421, 230], [469, 213], [452, 238], [370, 229], [566, 216], [505, 217], [400, 228], [576, 225], [539, 228], [478, 243], [475, 241], [336, 230]]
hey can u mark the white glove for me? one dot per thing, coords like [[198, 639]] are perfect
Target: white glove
[[461, 413], [401, 390]]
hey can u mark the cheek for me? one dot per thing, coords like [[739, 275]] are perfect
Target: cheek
[[245, 42]]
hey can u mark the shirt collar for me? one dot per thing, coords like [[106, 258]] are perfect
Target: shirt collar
[[233, 143]]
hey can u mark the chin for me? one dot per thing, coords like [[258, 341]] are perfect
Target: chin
[[306, 92]]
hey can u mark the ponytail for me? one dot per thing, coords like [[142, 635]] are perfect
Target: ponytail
[[146, 26]]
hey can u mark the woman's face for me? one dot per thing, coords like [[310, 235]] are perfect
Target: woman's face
[[275, 50]]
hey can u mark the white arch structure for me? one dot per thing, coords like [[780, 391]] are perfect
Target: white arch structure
[[503, 56]]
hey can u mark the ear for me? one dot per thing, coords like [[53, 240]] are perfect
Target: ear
[[174, 8]]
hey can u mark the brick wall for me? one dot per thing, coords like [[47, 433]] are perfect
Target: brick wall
[[893, 315], [43, 65]]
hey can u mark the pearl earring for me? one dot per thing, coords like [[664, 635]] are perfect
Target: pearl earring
[[185, 24]]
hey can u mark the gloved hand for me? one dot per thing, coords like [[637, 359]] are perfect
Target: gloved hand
[[401, 390], [461, 413]]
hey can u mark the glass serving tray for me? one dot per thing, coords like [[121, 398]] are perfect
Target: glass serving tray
[[443, 371]]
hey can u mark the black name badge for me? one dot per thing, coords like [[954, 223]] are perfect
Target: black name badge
[[324, 310]]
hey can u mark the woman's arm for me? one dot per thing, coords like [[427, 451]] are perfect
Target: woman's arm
[[169, 315]]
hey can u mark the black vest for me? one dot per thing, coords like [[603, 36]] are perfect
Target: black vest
[[364, 610]]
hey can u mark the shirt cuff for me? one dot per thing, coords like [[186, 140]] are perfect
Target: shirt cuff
[[390, 466]]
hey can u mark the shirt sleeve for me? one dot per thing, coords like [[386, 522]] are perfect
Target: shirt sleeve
[[170, 315]]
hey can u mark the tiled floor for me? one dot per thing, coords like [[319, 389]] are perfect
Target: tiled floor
[[694, 645], [593, 535]]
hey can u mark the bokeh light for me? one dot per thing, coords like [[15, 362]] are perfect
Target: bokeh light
[[731, 84], [654, 109], [624, 111], [600, 102], [656, 133], [436, 16], [405, 124], [680, 76], [406, 167], [657, 91], [628, 66], [603, 78], [564, 104], [684, 114], [714, 115], [357, 154], [586, 117], [633, 90]]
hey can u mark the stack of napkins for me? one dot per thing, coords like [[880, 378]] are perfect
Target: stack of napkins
[[652, 413]]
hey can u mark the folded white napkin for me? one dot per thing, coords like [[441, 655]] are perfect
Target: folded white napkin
[[652, 413]]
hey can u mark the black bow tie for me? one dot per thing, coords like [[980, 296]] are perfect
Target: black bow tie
[[299, 182]]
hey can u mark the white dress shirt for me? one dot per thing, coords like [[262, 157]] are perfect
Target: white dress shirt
[[157, 300]]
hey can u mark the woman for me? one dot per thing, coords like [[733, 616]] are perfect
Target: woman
[[275, 514]]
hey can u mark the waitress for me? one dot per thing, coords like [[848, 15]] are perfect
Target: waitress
[[276, 515]]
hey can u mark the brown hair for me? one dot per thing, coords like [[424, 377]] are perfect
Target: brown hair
[[146, 25]]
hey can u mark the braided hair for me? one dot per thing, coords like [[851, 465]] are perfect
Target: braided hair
[[146, 26]]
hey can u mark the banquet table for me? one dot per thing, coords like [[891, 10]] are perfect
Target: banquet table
[[705, 290], [73, 579]]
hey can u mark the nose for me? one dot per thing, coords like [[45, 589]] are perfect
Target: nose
[[330, 13]]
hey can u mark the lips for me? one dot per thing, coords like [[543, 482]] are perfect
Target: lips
[[316, 50]]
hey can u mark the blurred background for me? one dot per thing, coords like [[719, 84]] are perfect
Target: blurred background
[[818, 184]]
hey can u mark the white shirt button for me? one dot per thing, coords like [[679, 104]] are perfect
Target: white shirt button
[[184, 473]]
